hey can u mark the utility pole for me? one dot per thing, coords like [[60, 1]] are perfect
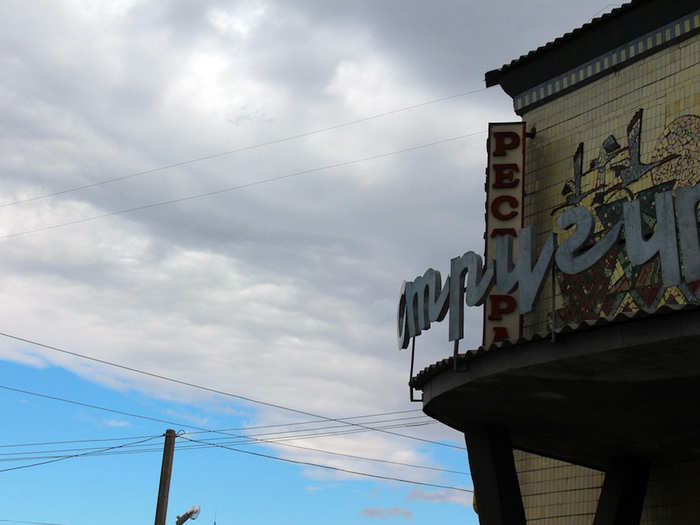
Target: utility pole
[[165, 472]]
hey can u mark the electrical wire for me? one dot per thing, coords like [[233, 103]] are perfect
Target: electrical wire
[[252, 427], [198, 430], [221, 392], [62, 458], [206, 430], [396, 412], [204, 446], [376, 460], [328, 467], [238, 150], [236, 187], [88, 405], [242, 438], [233, 439], [344, 432], [309, 432], [247, 439], [242, 441]]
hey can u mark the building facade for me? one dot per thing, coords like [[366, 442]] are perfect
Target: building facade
[[589, 415]]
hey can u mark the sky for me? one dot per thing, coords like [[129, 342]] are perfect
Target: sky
[[230, 194]]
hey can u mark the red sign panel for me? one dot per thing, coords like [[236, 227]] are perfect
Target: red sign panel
[[504, 216]]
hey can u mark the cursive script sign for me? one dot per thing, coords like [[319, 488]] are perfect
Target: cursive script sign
[[675, 241]]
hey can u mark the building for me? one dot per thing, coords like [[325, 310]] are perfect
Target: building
[[581, 407]]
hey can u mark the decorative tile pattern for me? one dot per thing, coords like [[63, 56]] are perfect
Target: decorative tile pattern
[[608, 62], [605, 115], [556, 492], [613, 285], [665, 84]]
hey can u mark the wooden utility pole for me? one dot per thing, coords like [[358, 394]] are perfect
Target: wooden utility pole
[[165, 472]]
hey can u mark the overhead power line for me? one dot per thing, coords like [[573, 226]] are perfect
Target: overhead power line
[[180, 424], [376, 460], [344, 432], [238, 150], [311, 422], [247, 452], [237, 187], [232, 439], [33, 455], [282, 434], [362, 428], [229, 429], [89, 405], [245, 439], [221, 392], [70, 456], [251, 438], [327, 467]]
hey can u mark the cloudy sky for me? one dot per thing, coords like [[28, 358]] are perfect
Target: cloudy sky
[[230, 193]]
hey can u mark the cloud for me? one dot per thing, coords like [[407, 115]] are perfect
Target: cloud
[[182, 415], [20, 353], [387, 513], [318, 488], [283, 292], [441, 496], [117, 423]]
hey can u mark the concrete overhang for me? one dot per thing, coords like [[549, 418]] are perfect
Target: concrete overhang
[[621, 389]]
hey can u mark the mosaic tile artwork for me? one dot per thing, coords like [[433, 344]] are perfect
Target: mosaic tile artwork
[[618, 174]]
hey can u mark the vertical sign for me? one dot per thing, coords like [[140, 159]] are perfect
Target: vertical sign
[[504, 216]]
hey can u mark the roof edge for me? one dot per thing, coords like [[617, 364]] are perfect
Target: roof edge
[[594, 38], [493, 77]]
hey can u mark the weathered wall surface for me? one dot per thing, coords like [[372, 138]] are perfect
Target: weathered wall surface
[[665, 86], [556, 492], [655, 101]]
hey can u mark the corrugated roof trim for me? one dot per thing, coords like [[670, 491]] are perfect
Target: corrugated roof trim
[[617, 57], [492, 77], [463, 360]]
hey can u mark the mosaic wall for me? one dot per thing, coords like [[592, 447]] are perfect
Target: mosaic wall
[[630, 134], [639, 127], [618, 174]]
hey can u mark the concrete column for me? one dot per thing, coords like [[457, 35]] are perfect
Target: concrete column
[[622, 497], [494, 477]]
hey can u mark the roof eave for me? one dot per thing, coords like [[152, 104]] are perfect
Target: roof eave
[[566, 52]]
